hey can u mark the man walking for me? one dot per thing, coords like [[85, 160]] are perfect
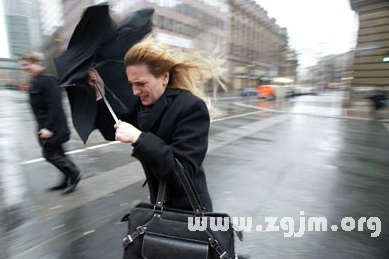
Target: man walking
[[378, 101], [53, 131]]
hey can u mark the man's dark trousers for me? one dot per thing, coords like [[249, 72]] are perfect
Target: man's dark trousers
[[53, 152]]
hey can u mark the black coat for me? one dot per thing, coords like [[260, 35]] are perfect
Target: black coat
[[46, 103], [377, 98], [177, 127]]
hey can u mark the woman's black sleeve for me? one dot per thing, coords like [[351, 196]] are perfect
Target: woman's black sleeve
[[189, 143]]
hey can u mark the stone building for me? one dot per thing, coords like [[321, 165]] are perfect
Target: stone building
[[373, 44], [258, 47], [288, 67], [334, 69]]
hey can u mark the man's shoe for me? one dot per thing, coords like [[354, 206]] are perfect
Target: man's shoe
[[60, 186], [72, 185]]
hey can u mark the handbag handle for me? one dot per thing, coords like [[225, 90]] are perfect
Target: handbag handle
[[189, 187], [190, 190], [186, 182]]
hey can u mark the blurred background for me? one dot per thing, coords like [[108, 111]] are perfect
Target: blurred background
[[297, 129]]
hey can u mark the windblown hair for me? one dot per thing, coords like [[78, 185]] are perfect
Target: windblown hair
[[188, 70], [32, 56]]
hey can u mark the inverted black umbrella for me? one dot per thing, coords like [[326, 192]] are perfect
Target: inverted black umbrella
[[99, 43], [95, 29]]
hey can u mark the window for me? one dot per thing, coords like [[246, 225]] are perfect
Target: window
[[157, 21], [168, 24]]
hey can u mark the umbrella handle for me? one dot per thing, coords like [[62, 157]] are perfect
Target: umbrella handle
[[107, 103]]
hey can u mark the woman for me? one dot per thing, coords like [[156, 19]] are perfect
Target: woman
[[170, 120]]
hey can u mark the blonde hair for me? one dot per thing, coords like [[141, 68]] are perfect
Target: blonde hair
[[188, 70], [32, 56]]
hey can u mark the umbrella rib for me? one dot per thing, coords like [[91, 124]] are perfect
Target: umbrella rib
[[115, 97], [106, 62], [107, 103]]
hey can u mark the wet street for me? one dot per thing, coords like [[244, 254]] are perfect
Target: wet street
[[299, 158]]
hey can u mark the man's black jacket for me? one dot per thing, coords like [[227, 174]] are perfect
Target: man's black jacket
[[46, 103]]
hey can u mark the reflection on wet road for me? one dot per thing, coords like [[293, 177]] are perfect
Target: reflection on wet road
[[260, 164]]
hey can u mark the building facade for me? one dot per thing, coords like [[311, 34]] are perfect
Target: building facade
[[289, 65], [334, 69], [372, 45], [22, 18], [258, 47]]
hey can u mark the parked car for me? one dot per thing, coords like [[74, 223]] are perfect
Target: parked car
[[304, 90], [248, 91], [288, 91]]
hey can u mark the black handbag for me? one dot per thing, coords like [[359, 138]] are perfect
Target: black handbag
[[158, 232]]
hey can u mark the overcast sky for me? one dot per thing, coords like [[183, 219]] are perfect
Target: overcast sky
[[315, 27]]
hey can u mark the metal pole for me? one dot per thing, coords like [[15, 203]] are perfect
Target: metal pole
[[107, 103]]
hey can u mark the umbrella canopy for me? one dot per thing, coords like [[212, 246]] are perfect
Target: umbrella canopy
[[94, 29], [131, 30], [98, 42]]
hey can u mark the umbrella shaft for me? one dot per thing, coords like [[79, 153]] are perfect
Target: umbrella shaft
[[107, 103]]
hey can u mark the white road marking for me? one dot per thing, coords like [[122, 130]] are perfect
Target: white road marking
[[89, 232], [55, 207], [236, 116], [32, 161], [72, 152], [76, 151], [116, 142], [102, 145], [56, 227]]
